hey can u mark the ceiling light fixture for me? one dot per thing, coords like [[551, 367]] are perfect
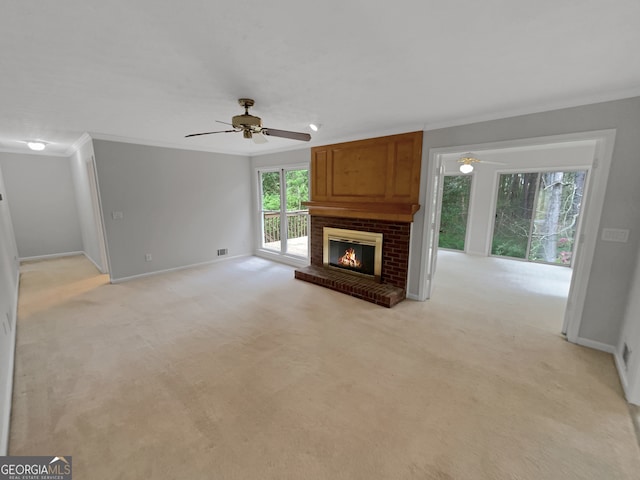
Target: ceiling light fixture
[[314, 127], [466, 168], [466, 162], [36, 145]]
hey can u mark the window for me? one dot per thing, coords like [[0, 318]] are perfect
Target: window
[[537, 216], [456, 190], [285, 221]]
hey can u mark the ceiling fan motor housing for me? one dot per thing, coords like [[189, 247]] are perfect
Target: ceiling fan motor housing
[[247, 122]]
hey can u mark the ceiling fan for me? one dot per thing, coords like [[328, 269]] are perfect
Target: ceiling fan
[[467, 160], [251, 127]]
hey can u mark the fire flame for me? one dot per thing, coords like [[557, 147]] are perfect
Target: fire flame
[[349, 259]]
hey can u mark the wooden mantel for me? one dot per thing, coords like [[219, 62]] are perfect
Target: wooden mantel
[[377, 178]]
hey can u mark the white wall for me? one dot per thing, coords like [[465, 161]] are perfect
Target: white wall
[[43, 204], [88, 216], [483, 192], [611, 273], [8, 308], [180, 206]]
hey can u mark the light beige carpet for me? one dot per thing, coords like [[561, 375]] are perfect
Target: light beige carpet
[[239, 371]]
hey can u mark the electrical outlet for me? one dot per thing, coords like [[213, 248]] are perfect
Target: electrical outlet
[[147, 257], [222, 251], [117, 215]]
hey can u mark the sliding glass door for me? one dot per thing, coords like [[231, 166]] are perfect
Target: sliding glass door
[[537, 215], [456, 192], [284, 220]]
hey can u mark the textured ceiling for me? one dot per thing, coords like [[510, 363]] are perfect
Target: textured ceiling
[[154, 71]]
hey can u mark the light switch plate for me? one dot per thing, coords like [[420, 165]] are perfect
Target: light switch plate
[[619, 235]]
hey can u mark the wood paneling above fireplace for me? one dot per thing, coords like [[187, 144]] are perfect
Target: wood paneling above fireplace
[[377, 178]]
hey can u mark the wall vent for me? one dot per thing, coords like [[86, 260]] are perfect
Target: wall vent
[[222, 251], [625, 355]]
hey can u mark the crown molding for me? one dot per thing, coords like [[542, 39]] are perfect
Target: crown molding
[[79, 143], [156, 143], [543, 107], [407, 128], [43, 153]]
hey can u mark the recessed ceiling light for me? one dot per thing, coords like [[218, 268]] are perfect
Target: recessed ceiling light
[[314, 127], [37, 146]]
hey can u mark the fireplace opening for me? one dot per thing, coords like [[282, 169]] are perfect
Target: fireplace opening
[[353, 251]]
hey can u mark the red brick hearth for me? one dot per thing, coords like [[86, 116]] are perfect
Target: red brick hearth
[[395, 261]]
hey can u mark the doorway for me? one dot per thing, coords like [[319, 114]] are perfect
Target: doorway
[[284, 220], [480, 228]]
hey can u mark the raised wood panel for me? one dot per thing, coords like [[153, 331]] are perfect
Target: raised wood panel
[[403, 171], [381, 175], [355, 171], [319, 180]]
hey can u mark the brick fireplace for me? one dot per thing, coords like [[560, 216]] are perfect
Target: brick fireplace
[[391, 289], [366, 186]]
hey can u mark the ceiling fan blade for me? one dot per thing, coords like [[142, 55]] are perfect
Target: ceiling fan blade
[[209, 133], [305, 137], [259, 138], [226, 123]]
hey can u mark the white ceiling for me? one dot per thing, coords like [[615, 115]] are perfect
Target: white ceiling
[[154, 71]]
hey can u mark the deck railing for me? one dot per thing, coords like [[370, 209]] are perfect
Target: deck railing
[[297, 225]]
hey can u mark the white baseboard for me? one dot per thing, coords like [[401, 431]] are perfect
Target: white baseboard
[[622, 373], [413, 296], [100, 269], [53, 255], [604, 347], [5, 415], [184, 267]]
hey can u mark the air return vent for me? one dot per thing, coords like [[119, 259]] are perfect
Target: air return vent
[[222, 251]]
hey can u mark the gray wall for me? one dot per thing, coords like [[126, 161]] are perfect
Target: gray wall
[[180, 206], [8, 306], [88, 216], [290, 157], [631, 337], [613, 265], [43, 204]]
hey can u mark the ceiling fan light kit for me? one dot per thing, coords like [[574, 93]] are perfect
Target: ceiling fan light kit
[[250, 124], [467, 160]]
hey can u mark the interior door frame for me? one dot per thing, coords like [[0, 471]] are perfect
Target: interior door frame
[[604, 141], [94, 191]]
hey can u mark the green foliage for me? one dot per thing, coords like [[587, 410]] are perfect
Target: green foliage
[[270, 190], [454, 212], [508, 247], [297, 189], [541, 209], [297, 182]]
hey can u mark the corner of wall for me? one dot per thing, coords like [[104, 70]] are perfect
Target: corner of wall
[[7, 389]]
